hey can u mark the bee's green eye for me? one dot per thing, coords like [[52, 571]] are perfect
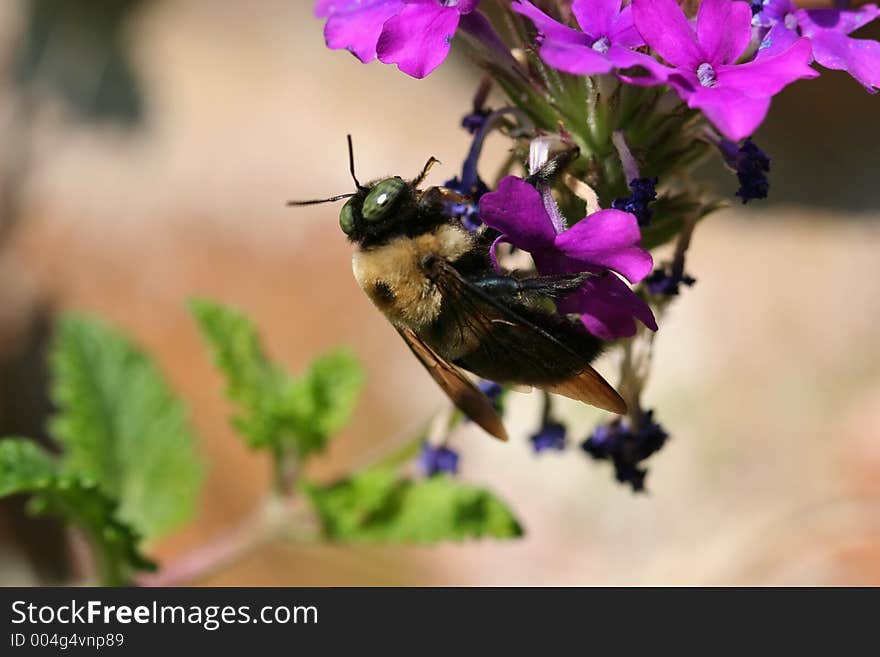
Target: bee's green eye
[[346, 218], [383, 196]]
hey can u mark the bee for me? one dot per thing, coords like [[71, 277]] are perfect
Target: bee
[[434, 281]]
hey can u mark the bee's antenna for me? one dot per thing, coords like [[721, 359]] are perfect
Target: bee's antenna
[[339, 196], [351, 163], [320, 200]]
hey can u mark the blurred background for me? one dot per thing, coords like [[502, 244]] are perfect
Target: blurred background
[[148, 147]]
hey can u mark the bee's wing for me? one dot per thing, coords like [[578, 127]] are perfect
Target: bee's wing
[[532, 346], [463, 393]]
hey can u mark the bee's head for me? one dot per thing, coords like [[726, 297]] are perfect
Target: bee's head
[[379, 210], [383, 208]]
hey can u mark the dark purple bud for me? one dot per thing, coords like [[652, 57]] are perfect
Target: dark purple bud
[[663, 282], [751, 165], [492, 390], [625, 448], [550, 436], [475, 120], [434, 460], [638, 203]]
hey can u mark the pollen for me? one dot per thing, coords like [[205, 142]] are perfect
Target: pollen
[[601, 45], [706, 75]]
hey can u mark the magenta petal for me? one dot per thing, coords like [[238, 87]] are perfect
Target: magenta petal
[[574, 58], [665, 28], [418, 38], [517, 211], [860, 57], [654, 72], [608, 307], [769, 75], [778, 40], [734, 113], [844, 21], [548, 27], [608, 239], [623, 30], [724, 29], [596, 16], [355, 26]]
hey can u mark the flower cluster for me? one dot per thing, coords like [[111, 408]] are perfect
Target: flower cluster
[[638, 92]]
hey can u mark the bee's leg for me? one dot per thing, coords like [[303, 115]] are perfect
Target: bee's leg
[[419, 179], [553, 286], [553, 166]]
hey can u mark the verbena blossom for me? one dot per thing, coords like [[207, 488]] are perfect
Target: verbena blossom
[[437, 460], [626, 449], [551, 436], [604, 242], [605, 42], [356, 25], [828, 31], [735, 97], [414, 34]]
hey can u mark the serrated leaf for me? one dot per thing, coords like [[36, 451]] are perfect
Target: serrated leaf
[[24, 467], [376, 506], [122, 426], [321, 403], [252, 381], [27, 468], [275, 410]]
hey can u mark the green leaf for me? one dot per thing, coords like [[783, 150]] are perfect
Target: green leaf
[[275, 410], [252, 381], [321, 403], [376, 506], [123, 427], [26, 468]]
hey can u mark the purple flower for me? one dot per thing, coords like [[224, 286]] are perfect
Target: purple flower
[[414, 34], [735, 97], [550, 436], [434, 460], [418, 38], [827, 30], [625, 448], [603, 242], [355, 25], [605, 43], [643, 193]]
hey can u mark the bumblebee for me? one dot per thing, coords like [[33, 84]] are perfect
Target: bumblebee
[[434, 281]]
